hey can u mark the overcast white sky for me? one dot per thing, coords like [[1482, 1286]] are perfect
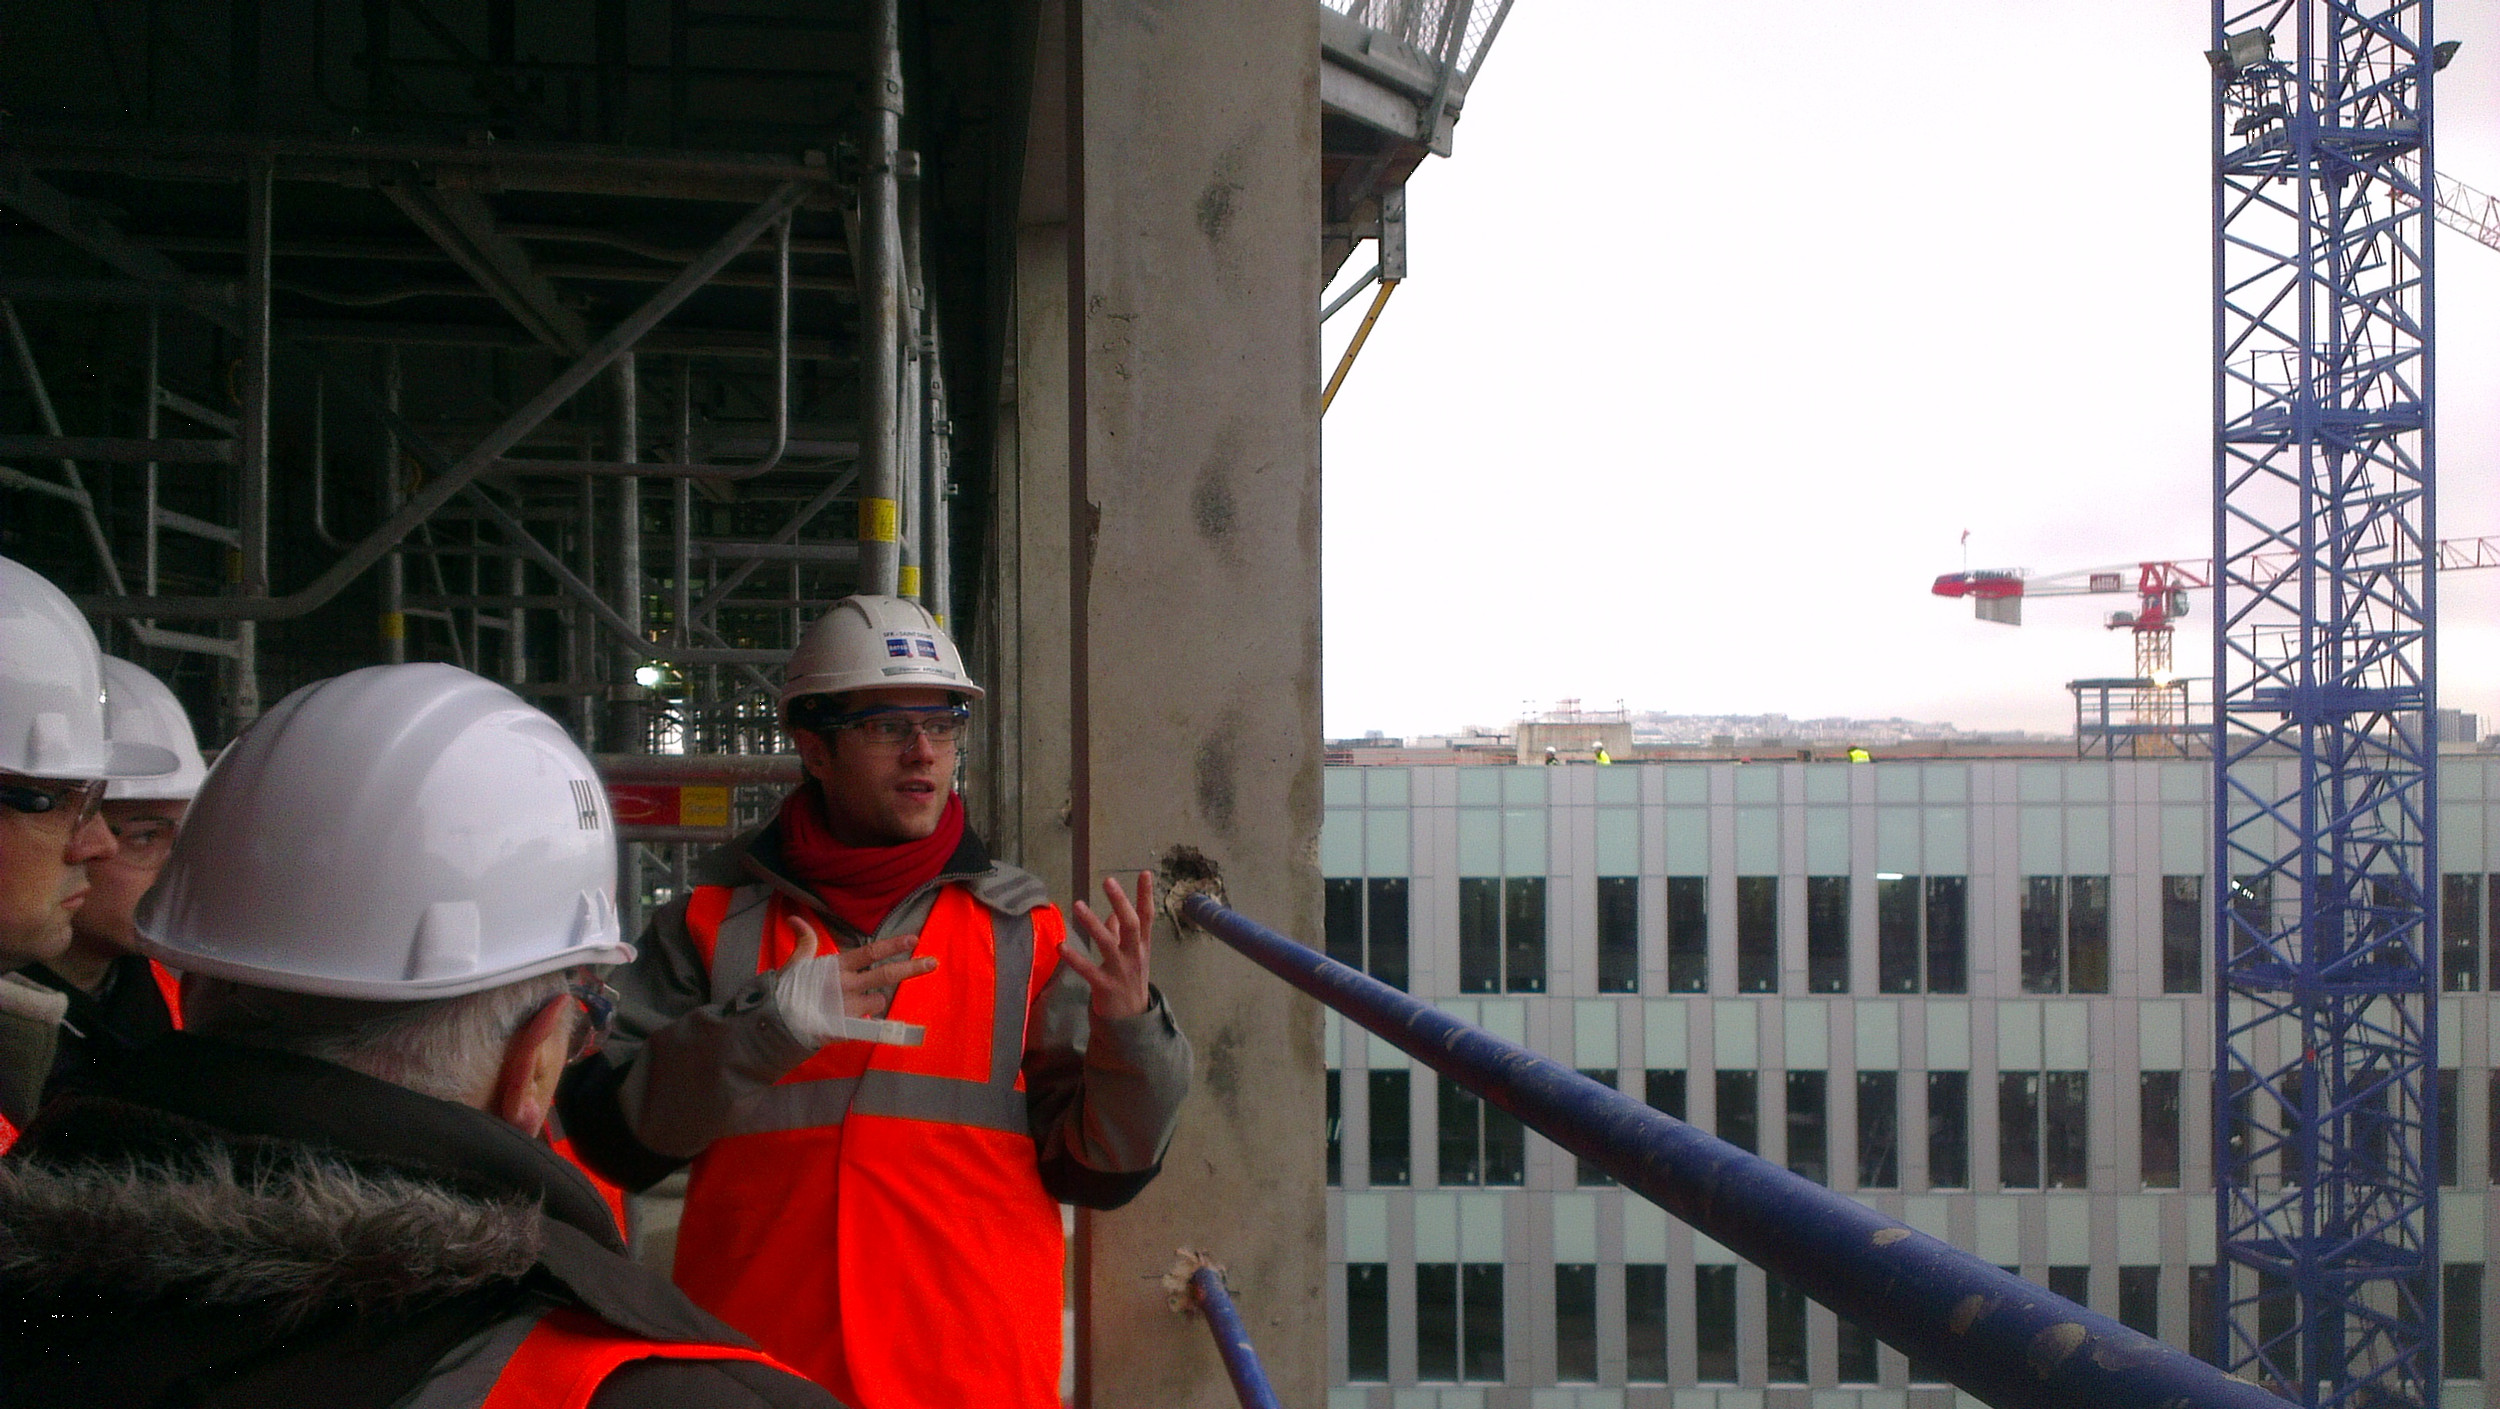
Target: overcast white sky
[[1726, 320]]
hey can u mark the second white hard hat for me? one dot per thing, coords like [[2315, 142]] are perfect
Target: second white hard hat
[[138, 708], [870, 643], [399, 833], [52, 689]]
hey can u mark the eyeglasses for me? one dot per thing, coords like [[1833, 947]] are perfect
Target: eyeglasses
[[895, 726], [144, 839], [56, 801], [599, 1008]]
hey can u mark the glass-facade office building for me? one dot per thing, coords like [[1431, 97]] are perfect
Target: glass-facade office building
[[1971, 993]]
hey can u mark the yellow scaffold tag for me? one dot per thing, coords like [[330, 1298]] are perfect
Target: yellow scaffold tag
[[878, 520]]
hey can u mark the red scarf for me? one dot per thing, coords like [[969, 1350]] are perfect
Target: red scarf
[[862, 884]]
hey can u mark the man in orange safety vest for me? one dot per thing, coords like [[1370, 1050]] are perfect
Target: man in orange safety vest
[[884, 1053]]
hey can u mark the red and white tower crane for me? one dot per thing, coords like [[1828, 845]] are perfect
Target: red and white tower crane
[[2161, 587]]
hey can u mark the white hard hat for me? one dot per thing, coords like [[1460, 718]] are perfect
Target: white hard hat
[[139, 709], [401, 832], [52, 689], [868, 643]]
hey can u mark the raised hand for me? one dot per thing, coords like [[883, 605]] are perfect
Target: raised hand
[[1118, 974]]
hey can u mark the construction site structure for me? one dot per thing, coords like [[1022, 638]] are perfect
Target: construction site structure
[[2325, 807], [2154, 713], [598, 347]]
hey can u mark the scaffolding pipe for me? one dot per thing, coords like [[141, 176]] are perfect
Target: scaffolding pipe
[[627, 730], [148, 419], [578, 587], [1232, 1338], [1353, 349], [881, 306], [777, 770], [1990, 1332], [251, 580], [449, 477], [911, 407], [40, 392], [681, 562], [936, 553], [394, 608]]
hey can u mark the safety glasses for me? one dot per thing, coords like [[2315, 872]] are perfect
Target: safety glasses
[[895, 726], [62, 804], [599, 1009]]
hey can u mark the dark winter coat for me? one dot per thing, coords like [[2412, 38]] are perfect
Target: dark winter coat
[[217, 1225]]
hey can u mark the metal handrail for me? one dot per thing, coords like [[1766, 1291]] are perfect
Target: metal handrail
[[1197, 1284], [1989, 1332]]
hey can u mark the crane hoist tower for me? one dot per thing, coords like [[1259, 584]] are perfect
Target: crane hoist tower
[[2325, 844]]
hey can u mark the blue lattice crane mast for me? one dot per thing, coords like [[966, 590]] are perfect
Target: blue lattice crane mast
[[2327, 1123]]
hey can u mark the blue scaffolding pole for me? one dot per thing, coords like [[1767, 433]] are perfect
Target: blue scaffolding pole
[[2005, 1341], [2326, 1127]]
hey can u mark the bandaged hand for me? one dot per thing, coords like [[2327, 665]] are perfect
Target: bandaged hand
[[831, 995]]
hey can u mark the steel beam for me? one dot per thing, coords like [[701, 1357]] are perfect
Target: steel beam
[[119, 450], [449, 476], [460, 222], [563, 168], [527, 544]]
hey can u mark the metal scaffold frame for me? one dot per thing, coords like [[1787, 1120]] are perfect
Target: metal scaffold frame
[[541, 380], [2326, 1045]]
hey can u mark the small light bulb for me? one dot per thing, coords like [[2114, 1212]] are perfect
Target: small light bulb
[[648, 676]]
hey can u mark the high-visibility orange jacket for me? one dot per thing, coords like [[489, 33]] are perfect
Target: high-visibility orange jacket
[[169, 988], [455, 1262], [881, 1218], [914, 1152], [568, 1354]]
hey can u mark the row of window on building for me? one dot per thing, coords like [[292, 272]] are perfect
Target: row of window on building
[[2043, 1127], [1459, 1321], [1922, 932]]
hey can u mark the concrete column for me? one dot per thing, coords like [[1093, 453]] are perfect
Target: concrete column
[[1018, 774], [1194, 659]]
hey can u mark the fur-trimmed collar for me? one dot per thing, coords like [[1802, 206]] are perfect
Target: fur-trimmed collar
[[283, 1230]]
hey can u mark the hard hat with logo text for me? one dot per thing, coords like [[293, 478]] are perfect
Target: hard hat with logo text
[[869, 643], [52, 689], [399, 833], [138, 708]]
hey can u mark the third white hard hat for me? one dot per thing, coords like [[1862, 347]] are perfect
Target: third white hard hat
[[139, 709], [870, 643], [402, 832], [52, 689]]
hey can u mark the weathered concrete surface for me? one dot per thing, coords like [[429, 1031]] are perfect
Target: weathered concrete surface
[[1198, 461], [1156, 680]]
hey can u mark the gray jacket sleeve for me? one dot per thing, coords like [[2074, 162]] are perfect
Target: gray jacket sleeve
[[1104, 1094], [677, 1062], [30, 1027]]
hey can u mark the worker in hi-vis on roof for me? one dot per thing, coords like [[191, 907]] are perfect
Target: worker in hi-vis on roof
[[391, 904], [885, 1053], [55, 760], [119, 999]]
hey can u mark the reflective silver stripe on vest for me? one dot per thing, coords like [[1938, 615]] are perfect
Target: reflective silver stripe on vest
[[908, 1095], [1013, 936], [738, 945], [992, 1105], [468, 1371]]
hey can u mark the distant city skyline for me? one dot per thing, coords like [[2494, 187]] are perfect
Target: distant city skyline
[[1664, 727]]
